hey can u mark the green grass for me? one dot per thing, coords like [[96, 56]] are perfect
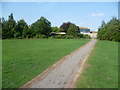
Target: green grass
[[25, 59], [101, 69], [0, 64]]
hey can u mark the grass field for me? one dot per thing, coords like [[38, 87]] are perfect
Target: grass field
[[0, 64], [101, 69], [25, 59]]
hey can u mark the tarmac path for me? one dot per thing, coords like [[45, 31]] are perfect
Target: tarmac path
[[64, 73]]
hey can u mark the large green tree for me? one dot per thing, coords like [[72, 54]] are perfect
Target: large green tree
[[41, 27], [101, 30], [5, 30], [8, 27], [72, 30], [0, 28], [21, 29], [110, 30], [11, 26]]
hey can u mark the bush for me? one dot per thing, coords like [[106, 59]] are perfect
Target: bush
[[61, 37], [68, 37], [80, 35], [40, 36], [86, 36], [58, 36], [51, 37]]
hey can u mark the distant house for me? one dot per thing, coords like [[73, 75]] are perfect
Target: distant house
[[61, 33], [57, 33], [93, 34], [84, 30]]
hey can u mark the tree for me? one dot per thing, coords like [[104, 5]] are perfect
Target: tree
[[78, 29], [101, 30], [0, 23], [0, 28], [110, 30], [56, 29], [73, 29], [21, 29], [65, 26], [8, 27], [11, 26], [41, 26], [103, 24], [113, 30], [5, 30]]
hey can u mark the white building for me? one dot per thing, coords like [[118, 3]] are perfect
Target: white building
[[86, 31]]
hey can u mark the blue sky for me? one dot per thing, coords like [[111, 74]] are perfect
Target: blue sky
[[85, 14]]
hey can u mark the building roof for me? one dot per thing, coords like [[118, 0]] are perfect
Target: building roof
[[83, 28]]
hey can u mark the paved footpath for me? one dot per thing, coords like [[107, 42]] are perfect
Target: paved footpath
[[63, 74]]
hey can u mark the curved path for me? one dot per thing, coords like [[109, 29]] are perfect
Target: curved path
[[64, 73]]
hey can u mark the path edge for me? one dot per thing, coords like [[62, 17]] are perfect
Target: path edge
[[81, 67]]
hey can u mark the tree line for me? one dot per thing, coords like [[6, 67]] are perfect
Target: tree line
[[39, 29], [110, 30]]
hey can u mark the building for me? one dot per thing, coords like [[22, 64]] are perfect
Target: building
[[84, 30], [57, 33], [93, 34], [61, 33]]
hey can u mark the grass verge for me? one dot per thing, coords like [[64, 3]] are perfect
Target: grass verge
[[101, 69], [0, 64], [25, 59]]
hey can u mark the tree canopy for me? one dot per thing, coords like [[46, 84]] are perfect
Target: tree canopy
[[56, 29], [65, 26], [72, 30], [41, 27], [20, 29], [110, 30]]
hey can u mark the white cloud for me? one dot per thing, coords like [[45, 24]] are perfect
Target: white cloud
[[97, 14]]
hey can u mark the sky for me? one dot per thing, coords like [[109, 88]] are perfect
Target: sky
[[83, 14]]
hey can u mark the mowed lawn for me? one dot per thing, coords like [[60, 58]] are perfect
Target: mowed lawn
[[101, 68], [0, 63], [24, 59]]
